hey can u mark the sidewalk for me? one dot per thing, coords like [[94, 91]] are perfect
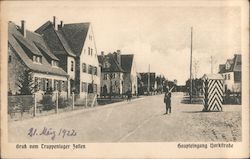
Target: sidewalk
[[61, 114]]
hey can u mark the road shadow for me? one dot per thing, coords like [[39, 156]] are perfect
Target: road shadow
[[201, 111], [197, 100]]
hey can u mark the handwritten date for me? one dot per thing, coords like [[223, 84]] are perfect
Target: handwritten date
[[50, 132]]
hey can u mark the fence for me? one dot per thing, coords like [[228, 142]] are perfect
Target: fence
[[27, 106], [20, 106]]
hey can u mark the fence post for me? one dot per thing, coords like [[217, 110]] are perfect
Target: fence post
[[56, 102], [73, 100], [34, 113], [86, 101]]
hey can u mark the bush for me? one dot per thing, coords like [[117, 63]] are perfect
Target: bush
[[62, 103], [47, 102]]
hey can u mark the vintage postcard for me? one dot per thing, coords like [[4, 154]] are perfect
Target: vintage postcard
[[125, 79]]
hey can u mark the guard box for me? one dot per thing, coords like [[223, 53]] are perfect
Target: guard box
[[213, 89]]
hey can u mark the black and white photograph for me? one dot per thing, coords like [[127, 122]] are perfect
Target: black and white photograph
[[82, 73]]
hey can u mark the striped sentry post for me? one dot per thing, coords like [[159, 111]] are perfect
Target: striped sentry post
[[213, 88]]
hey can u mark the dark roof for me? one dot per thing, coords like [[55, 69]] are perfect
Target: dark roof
[[30, 40], [76, 34], [41, 29], [235, 65], [65, 43], [127, 62], [55, 39], [40, 44], [125, 66], [114, 65]]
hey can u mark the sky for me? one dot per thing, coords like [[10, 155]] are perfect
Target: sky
[[158, 35]]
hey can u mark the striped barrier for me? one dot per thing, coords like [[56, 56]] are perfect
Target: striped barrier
[[213, 88]]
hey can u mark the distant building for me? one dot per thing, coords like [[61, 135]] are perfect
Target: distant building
[[148, 80], [74, 45], [28, 51], [231, 71], [118, 73]]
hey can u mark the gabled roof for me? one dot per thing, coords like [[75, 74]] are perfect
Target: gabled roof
[[76, 34], [235, 64], [127, 62], [44, 27], [55, 39], [114, 65], [45, 66], [125, 66], [40, 44]]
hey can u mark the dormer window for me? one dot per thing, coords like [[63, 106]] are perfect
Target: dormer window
[[227, 66], [37, 59], [54, 63], [106, 64]]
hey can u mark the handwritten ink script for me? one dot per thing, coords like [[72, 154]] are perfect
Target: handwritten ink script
[[50, 132]]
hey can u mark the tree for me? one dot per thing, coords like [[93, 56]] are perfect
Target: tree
[[25, 83]]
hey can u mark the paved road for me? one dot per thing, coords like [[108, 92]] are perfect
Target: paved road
[[136, 121]]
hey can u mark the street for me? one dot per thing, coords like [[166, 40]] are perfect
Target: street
[[141, 120]]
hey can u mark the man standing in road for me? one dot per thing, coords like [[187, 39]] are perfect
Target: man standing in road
[[167, 100]]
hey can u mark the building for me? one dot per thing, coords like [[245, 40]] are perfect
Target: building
[[74, 45], [148, 81], [28, 51], [118, 73], [231, 71]]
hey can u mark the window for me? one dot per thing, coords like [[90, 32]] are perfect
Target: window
[[90, 69], [55, 85], [228, 77], [91, 52], [105, 76], [46, 85], [63, 86], [106, 64], [84, 67], [95, 71], [9, 59], [95, 88], [37, 59], [225, 76], [88, 50], [54, 63], [84, 87], [227, 66], [72, 66]]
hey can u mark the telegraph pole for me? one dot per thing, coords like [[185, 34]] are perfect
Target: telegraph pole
[[191, 49]]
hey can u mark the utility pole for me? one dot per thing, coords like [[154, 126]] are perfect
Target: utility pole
[[196, 67], [191, 49], [148, 78]]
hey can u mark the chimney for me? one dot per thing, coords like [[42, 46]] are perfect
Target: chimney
[[23, 28], [60, 25], [54, 22], [118, 57]]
